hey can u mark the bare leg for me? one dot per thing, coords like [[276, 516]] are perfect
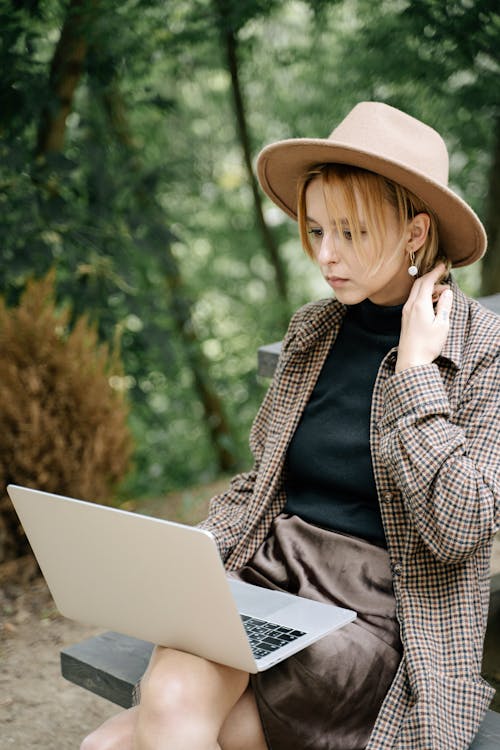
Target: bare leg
[[186, 702], [115, 734], [242, 729]]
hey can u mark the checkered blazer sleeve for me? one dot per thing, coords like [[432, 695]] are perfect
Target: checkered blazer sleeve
[[444, 455]]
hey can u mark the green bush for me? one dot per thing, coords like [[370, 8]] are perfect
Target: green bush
[[63, 417]]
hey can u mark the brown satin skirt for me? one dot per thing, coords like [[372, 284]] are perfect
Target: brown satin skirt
[[327, 697]]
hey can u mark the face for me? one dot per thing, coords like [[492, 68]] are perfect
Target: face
[[350, 276]]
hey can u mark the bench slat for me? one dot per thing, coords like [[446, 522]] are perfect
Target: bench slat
[[488, 737], [111, 664], [492, 301]]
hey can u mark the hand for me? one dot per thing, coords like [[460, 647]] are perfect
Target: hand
[[424, 329]]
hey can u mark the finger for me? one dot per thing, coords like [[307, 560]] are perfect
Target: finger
[[439, 269], [438, 290], [429, 290], [443, 307], [425, 284], [432, 277]]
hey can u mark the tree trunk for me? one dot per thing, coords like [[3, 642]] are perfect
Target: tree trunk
[[180, 302], [65, 73], [269, 244], [490, 278], [213, 409], [66, 70]]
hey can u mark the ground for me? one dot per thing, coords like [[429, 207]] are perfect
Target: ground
[[39, 710]]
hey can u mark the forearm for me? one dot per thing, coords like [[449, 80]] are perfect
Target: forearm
[[444, 463], [226, 518]]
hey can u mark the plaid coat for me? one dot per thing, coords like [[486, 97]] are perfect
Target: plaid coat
[[435, 450]]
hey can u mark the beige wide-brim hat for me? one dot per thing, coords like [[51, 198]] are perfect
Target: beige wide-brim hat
[[384, 140]]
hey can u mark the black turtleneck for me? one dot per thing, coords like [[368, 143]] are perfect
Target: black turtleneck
[[329, 472]]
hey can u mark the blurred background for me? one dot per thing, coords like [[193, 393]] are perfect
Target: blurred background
[[140, 265]]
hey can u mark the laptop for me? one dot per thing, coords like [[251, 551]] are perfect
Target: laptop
[[163, 582]]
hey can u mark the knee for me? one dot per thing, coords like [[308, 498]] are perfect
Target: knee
[[115, 734], [187, 696], [101, 740], [92, 742], [168, 694], [179, 686]]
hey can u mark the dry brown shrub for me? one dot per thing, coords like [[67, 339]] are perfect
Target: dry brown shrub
[[63, 428]]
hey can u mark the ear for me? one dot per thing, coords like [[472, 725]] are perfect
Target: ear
[[418, 229]]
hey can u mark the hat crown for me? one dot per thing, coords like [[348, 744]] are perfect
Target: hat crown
[[377, 128], [379, 138]]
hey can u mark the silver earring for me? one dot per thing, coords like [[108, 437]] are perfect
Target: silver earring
[[413, 269]]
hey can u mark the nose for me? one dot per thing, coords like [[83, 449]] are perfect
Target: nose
[[328, 251]]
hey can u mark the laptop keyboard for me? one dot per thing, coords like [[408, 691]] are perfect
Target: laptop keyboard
[[266, 637]]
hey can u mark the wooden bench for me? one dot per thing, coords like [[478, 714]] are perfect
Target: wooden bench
[[111, 664]]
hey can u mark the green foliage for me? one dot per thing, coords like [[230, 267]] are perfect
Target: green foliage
[[148, 214], [449, 74]]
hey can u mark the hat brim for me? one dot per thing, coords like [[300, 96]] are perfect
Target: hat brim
[[282, 165]]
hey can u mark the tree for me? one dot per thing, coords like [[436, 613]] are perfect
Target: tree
[[93, 205], [491, 263], [470, 34], [151, 212], [157, 237], [230, 18], [439, 60], [66, 70]]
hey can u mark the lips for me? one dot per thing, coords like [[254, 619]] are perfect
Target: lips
[[336, 281]]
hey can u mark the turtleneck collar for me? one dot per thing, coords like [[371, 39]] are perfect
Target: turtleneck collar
[[376, 318]]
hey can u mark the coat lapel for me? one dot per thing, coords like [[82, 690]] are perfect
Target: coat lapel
[[300, 364]]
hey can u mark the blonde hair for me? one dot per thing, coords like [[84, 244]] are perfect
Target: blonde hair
[[374, 191]]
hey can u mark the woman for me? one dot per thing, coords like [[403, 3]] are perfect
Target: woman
[[375, 484]]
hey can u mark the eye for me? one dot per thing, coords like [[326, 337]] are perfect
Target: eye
[[349, 237], [315, 232]]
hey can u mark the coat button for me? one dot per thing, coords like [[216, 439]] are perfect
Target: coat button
[[397, 568], [387, 497]]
